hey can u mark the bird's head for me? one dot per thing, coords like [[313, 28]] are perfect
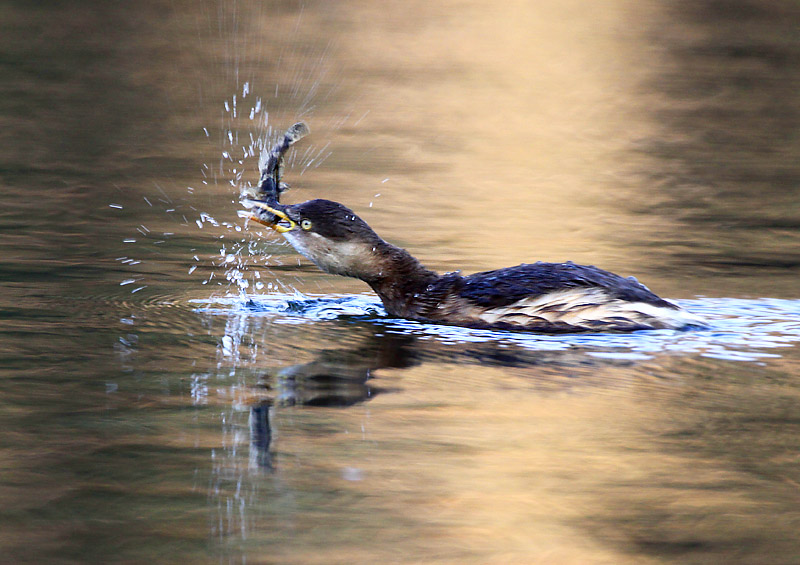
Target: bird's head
[[332, 236]]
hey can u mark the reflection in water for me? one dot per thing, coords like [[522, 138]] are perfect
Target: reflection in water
[[260, 435], [341, 378], [740, 330], [602, 436], [335, 379]]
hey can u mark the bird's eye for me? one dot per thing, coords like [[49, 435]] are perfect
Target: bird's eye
[[306, 224]]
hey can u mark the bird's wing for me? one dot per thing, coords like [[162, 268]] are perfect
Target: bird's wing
[[493, 289]]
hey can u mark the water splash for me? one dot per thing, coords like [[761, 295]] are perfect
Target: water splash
[[740, 329], [303, 79]]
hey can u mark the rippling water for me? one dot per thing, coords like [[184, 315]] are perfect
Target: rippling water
[[739, 329], [178, 387]]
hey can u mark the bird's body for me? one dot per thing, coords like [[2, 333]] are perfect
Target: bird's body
[[546, 297], [543, 297]]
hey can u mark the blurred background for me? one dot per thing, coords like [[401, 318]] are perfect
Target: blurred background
[[655, 139]]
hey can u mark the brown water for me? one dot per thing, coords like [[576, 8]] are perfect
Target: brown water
[[173, 389]]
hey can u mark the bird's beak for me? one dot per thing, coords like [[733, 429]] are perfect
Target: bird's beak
[[280, 222]]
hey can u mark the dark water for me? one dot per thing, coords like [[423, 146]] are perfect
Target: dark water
[[174, 388]]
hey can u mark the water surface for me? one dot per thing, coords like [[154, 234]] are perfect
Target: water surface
[[175, 388]]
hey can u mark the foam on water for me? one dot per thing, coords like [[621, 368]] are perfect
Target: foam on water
[[740, 329]]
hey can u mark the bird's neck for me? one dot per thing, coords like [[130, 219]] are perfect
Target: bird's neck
[[399, 279]]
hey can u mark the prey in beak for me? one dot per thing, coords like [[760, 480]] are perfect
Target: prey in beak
[[263, 202], [267, 215]]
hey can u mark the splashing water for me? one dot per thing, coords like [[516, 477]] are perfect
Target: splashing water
[[740, 329]]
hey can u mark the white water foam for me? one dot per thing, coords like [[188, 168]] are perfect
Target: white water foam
[[740, 329]]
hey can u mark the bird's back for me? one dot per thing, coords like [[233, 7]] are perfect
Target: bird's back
[[552, 297]]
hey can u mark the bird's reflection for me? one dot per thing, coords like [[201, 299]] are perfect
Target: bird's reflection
[[344, 377], [261, 435], [336, 378]]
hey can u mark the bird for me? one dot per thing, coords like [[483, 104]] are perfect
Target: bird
[[535, 297]]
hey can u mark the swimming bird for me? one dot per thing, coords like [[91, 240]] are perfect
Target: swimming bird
[[539, 297]]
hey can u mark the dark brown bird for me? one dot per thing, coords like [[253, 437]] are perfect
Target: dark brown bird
[[542, 297]]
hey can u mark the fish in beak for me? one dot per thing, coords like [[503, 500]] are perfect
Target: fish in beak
[[263, 204], [270, 216]]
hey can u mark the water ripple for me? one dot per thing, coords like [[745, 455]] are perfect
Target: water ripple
[[740, 329]]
